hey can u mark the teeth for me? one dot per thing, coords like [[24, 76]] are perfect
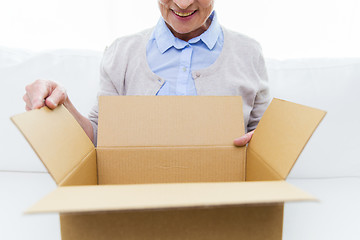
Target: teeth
[[183, 14]]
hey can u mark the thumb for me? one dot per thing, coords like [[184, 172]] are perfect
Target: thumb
[[57, 97], [244, 139]]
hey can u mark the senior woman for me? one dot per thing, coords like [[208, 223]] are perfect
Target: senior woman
[[187, 53]]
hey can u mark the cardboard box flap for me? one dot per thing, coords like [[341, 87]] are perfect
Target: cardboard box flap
[[162, 196], [281, 135], [169, 120], [56, 137]]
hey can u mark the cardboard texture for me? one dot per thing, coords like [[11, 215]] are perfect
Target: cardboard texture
[[172, 166], [162, 196], [129, 121], [253, 222], [169, 140], [57, 139], [279, 139]]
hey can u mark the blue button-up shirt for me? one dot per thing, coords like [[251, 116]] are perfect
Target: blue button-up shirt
[[174, 59]]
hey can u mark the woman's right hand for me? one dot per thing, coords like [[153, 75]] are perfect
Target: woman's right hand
[[42, 93], [48, 93]]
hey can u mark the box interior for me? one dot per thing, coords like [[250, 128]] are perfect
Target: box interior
[[169, 139]]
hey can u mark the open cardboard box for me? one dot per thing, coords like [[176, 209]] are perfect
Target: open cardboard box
[[166, 168]]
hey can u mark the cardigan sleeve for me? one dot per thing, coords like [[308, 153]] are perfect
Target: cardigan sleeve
[[114, 69], [262, 98], [106, 85]]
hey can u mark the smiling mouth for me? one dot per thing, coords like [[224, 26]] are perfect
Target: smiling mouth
[[182, 14]]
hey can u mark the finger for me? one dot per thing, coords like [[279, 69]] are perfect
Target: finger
[[37, 92], [28, 105], [57, 97], [243, 140], [37, 103], [27, 100]]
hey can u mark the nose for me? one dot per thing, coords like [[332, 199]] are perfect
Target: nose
[[183, 4]]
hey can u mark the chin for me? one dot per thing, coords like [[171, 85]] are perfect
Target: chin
[[182, 30]]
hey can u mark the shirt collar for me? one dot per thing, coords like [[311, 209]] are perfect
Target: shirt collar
[[165, 39], [211, 35]]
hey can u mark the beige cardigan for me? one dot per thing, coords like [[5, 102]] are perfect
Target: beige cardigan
[[238, 71]]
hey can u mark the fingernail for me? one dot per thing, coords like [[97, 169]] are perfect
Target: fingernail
[[241, 138], [53, 103]]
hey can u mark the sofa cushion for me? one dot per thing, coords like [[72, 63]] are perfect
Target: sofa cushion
[[332, 85]]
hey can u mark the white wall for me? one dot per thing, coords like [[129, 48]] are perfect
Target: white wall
[[285, 28]]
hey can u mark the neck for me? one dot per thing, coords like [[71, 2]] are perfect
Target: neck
[[187, 36]]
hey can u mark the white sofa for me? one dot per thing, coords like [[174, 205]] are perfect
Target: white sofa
[[328, 168]]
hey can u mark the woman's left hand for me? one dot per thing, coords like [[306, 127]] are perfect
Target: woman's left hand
[[243, 140]]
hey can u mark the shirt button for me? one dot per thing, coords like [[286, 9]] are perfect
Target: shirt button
[[184, 69]]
